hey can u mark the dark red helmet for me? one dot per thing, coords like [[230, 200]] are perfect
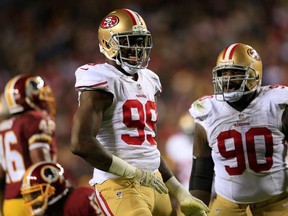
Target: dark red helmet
[[26, 92], [43, 184]]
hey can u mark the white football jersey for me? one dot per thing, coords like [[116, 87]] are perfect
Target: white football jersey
[[127, 129], [247, 147]]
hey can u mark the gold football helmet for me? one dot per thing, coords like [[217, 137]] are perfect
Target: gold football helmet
[[247, 65], [28, 92], [124, 38]]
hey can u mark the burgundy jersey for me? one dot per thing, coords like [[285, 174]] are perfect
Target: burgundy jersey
[[81, 202], [20, 134]]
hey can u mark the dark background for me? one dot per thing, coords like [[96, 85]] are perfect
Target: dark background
[[52, 38]]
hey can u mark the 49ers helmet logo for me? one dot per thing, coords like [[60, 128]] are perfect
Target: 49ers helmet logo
[[109, 22], [253, 53]]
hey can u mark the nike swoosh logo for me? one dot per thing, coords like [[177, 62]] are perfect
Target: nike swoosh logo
[[84, 68]]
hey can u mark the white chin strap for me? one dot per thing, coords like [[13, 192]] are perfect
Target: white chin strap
[[129, 70], [126, 68], [124, 65], [232, 96]]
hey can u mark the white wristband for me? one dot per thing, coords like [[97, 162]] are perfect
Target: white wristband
[[176, 188]]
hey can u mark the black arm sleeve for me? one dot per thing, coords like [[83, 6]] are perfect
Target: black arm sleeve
[[202, 174]]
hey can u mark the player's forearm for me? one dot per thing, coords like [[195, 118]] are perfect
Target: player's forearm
[[103, 161], [202, 195], [165, 170], [92, 152], [189, 204], [1, 202]]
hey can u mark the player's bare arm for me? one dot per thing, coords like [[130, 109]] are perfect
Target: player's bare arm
[[164, 170], [201, 158], [201, 145], [87, 121], [40, 154]]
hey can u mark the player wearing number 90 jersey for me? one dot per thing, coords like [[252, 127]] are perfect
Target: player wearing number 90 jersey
[[27, 136], [241, 132]]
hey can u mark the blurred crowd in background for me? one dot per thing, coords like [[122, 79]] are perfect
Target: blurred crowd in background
[[53, 38]]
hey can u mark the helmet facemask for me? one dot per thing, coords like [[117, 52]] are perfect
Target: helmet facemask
[[238, 72], [132, 49], [232, 87], [40, 96], [36, 198], [43, 185]]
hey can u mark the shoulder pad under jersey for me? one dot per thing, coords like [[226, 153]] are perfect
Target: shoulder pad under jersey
[[93, 77], [201, 107], [154, 78], [278, 93]]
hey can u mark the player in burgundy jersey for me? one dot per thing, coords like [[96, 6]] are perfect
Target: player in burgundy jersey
[[114, 128], [47, 192], [239, 139], [27, 135]]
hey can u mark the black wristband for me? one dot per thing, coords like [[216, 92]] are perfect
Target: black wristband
[[202, 174]]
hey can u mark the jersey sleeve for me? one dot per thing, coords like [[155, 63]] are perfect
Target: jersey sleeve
[[91, 77], [279, 93], [201, 108], [39, 130], [154, 78]]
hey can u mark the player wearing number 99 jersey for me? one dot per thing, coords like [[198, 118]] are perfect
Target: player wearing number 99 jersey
[[128, 125], [27, 136], [114, 125], [241, 132]]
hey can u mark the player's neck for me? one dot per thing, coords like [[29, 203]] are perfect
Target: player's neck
[[134, 76]]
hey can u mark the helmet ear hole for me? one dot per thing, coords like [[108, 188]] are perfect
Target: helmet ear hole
[[106, 44]]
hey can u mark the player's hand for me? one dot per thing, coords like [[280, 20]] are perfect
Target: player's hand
[[144, 177], [189, 205], [150, 179], [193, 207]]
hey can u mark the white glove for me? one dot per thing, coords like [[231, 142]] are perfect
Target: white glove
[[144, 177], [189, 205]]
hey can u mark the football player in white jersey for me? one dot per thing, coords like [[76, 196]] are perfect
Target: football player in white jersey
[[114, 125], [239, 139]]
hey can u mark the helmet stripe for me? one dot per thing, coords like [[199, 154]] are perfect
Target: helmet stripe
[[9, 94], [134, 16], [229, 51], [28, 172]]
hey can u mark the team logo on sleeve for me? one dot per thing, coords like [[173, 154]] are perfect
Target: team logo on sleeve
[[109, 22]]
